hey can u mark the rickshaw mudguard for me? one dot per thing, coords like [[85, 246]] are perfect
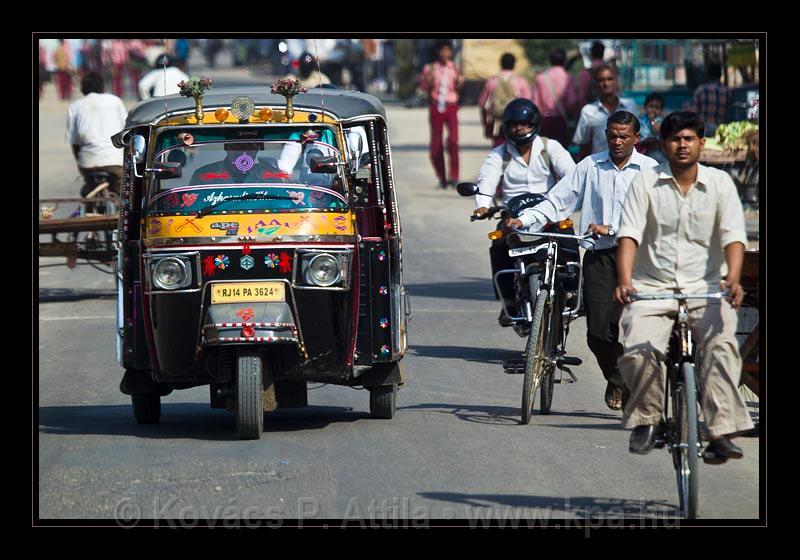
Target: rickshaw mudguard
[[265, 322]]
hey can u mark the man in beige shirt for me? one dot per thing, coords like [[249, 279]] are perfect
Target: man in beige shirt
[[682, 229]]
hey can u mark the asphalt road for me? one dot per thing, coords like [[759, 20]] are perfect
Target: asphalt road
[[455, 449]]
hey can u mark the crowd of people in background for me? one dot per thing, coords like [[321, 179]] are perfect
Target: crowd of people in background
[[574, 105], [121, 62]]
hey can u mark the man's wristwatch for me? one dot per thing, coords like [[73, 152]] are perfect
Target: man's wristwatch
[[611, 231]]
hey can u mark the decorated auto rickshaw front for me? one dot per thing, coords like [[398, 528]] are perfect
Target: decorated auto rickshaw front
[[252, 259]]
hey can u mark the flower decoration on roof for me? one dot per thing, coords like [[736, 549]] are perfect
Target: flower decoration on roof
[[288, 88], [195, 87]]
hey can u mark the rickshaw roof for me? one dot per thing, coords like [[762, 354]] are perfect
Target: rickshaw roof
[[343, 104]]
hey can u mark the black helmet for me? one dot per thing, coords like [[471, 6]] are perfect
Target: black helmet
[[521, 109], [307, 63], [163, 60]]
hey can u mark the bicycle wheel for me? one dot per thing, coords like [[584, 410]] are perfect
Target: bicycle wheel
[[534, 354], [685, 450], [551, 345]]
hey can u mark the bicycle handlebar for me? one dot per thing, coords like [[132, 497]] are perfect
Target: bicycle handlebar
[[588, 237], [646, 296]]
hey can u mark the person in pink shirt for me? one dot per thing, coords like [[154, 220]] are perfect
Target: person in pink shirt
[[115, 56], [497, 93], [555, 93], [441, 80]]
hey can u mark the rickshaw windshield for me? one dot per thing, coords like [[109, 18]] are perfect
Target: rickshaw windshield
[[222, 163]]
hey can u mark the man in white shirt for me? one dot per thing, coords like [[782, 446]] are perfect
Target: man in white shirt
[[91, 121], [162, 80], [590, 132], [525, 164], [682, 230], [597, 186]]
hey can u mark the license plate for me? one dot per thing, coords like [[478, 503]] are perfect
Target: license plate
[[243, 292]]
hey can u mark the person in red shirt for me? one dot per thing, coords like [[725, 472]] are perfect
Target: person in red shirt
[[442, 81]]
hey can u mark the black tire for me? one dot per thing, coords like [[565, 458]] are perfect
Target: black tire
[[534, 354], [146, 407], [548, 378], [546, 391], [383, 401], [686, 452], [249, 397]]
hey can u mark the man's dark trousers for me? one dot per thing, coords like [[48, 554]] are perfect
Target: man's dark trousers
[[602, 312]]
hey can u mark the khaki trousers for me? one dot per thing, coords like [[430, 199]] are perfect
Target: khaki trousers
[[645, 329]]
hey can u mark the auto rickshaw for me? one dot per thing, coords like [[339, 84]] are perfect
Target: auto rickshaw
[[260, 250]]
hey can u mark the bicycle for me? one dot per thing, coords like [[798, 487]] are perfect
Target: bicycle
[[679, 433], [549, 312], [90, 229]]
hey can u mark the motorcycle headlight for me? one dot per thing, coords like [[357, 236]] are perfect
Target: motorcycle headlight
[[171, 273], [323, 270]]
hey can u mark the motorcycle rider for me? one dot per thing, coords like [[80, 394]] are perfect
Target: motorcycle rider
[[525, 163]]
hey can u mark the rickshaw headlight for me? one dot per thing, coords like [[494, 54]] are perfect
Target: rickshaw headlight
[[323, 270], [171, 273]]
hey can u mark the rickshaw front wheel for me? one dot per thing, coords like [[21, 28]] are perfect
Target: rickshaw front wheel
[[249, 397], [382, 401], [146, 407]]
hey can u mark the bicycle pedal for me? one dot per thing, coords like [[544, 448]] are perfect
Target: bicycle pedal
[[514, 367], [569, 361], [660, 443]]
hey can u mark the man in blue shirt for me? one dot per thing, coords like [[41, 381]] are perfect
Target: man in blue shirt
[[597, 187]]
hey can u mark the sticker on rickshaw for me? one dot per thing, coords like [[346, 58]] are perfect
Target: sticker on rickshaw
[[245, 292]]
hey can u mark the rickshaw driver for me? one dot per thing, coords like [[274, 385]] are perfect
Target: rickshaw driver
[[239, 166]]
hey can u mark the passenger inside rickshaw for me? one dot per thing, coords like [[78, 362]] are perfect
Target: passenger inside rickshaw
[[272, 160]]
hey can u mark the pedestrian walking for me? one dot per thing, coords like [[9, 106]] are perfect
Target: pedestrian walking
[[442, 81]]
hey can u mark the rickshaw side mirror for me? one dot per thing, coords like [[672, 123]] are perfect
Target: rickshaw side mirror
[[356, 144], [138, 147], [167, 169], [467, 189], [323, 164], [138, 152]]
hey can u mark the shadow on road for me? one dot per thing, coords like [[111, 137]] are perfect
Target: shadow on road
[[182, 421], [498, 415], [493, 356], [52, 295], [583, 507], [479, 289], [614, 425], [510, 416]]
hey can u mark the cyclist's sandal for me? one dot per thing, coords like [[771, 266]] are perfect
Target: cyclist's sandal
[[613, 397]]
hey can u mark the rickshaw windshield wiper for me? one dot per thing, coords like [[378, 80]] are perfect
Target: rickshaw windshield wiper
[[249, 196]]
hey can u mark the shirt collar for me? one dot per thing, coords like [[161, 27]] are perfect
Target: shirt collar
[[602, 107], [635, 159], [703, 176]]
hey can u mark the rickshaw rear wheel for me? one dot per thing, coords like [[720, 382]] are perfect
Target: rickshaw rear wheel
[[146, 407], [382, 401], [249, 397]]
